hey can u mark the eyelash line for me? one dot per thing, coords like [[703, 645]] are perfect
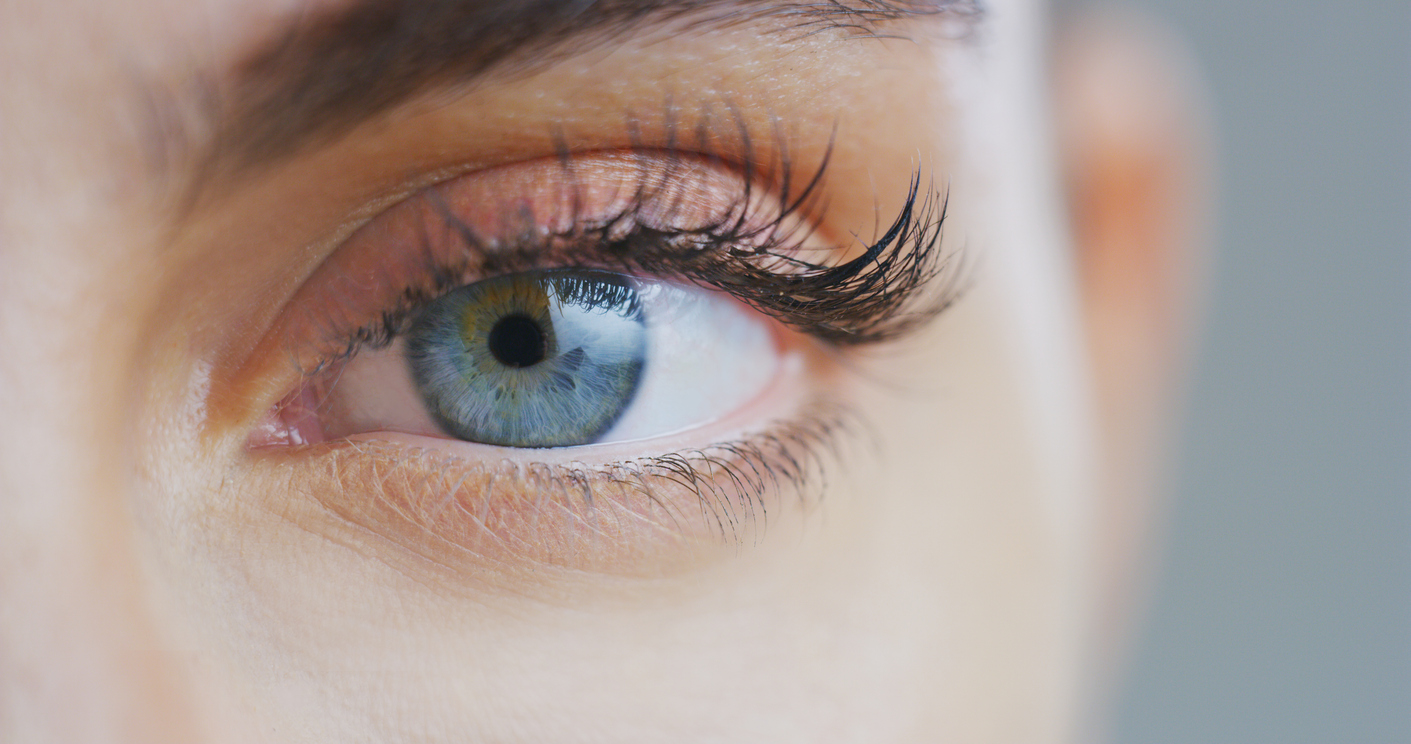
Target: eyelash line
[[872, 298]]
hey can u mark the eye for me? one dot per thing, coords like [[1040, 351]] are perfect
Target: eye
[[600, 361], [558, 358]]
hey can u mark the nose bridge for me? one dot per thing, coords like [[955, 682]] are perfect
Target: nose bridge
[[84, 656]]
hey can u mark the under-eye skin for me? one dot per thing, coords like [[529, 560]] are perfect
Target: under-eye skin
[[547, 359], [519, 320]]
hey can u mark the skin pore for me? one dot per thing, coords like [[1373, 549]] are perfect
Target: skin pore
[[180, 180]]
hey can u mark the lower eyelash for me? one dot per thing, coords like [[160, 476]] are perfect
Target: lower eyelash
[[610, 517]]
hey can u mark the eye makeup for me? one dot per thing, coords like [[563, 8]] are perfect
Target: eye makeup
[[660, 215]]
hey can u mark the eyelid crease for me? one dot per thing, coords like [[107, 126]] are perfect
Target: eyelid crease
[[641, 517]]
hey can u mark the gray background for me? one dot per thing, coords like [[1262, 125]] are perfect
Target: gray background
[[1283, 608]]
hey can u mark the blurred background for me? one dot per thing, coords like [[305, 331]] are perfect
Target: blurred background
[[1282, 611]]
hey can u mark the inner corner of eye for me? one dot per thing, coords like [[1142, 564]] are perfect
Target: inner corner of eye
[[547, 359]]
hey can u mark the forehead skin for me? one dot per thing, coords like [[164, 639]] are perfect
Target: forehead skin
[[940, 598]]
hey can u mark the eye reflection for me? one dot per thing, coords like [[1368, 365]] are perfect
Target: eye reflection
[[541, 359]]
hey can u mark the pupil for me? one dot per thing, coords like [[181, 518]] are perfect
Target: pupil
[[517, 341]]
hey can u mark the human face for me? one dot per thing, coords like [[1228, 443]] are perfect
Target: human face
[[865, 515]]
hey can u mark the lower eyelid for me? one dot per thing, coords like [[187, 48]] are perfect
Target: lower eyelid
[[646, 517], [628, 508]]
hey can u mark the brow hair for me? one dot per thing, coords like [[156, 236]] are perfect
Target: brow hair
[[322, 74]]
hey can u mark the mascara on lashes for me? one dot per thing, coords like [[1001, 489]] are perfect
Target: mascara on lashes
[[751, 246], [751, 250]]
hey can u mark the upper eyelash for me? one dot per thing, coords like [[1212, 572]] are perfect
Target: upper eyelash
[[877, 296]]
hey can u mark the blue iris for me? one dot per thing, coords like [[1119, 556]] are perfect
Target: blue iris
[[540, 359]]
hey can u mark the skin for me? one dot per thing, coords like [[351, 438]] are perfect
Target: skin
[[159, 582]]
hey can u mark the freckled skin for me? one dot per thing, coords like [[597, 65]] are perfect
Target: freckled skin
[[162, 583]]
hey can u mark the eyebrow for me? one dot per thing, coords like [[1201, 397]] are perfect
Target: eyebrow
[[321, 74]]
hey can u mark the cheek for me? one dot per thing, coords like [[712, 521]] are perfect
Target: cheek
[[764, 636], [984, 524]]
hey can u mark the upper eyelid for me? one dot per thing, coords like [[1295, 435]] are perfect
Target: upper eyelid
[[905, 281], [856, 302]]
